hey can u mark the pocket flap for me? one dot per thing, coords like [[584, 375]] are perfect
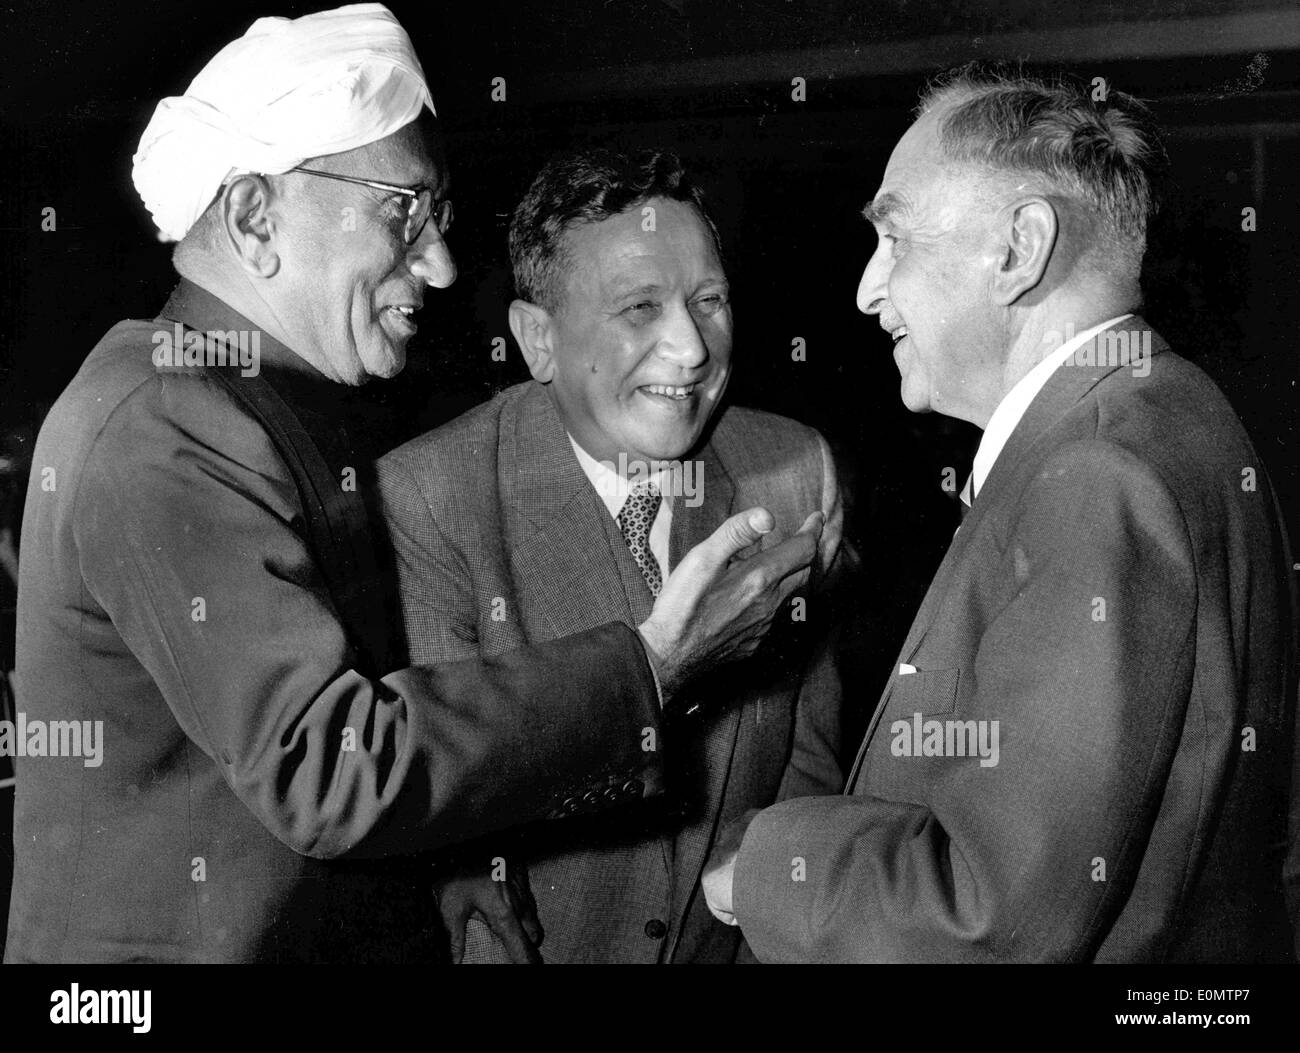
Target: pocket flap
[[926, 691]]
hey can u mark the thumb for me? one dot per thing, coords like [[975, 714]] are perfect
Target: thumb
[[738, 532], [457, 945]]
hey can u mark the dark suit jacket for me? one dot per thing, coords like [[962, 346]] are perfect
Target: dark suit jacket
[[501, 541], [1116, 601], [227, 780]]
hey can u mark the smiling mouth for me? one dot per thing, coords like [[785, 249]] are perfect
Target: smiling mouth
[[897, 334], [670, 391], [401, 317]]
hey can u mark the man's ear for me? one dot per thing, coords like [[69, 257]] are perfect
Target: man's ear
[[248, 226], [1030, 234], [532, 328]]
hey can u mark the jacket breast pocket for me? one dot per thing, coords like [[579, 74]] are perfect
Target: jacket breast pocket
[[927, 691], [900, 765]]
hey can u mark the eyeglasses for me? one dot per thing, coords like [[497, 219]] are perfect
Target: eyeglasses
[[422, 206]]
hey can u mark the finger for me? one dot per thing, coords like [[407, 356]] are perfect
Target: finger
[[516, 942], [521, 895], [813, 524], [456, 932], [738, 532], [455, 911], [793, 554], [525, 910]]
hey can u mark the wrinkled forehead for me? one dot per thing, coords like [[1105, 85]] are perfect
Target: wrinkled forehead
[[916, 160], [656, 232], [919, 179]]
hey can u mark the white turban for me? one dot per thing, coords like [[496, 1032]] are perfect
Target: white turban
[[286, 91]]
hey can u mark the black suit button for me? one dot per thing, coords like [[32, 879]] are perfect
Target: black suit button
[[612, 794], [570, 805], [591, 798], [633, 787], [656, 929]]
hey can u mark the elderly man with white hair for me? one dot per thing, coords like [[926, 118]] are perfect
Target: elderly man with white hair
[[198, 588], [1082, 752]]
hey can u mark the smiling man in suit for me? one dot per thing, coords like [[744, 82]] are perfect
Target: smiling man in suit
[[565, 502], [1082, 753], [198, 586]]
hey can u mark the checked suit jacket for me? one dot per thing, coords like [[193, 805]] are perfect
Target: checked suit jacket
[[500, 538], [1117, 601]]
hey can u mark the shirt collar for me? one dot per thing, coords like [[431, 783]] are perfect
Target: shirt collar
[[612, 487], [1017, 401]]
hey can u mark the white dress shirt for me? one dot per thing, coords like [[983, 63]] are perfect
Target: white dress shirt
[[613, 489], [1016, 402]]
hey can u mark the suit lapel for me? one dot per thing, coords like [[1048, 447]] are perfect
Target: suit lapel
[[559, 546], [1064, 388], [712, 742], [693, 525], [568, 556]]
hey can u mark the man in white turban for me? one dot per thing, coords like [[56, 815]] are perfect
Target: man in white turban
[[209, 730]]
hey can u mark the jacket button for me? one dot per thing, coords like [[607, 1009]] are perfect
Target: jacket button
[[591, 798], [656, 929], [570, 805], [633, 787]]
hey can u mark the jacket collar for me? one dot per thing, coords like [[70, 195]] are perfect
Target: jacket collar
[[294, 378], [545, 476], [1071, 382]]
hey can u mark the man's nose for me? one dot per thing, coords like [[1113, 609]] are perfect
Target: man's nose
[[431, 260], [873, 289], [682, 342]]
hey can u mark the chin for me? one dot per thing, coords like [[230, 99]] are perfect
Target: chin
[[915, 401], [386, 366], [660, 447]]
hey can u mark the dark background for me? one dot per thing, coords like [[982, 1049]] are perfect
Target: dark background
[[710, 79]]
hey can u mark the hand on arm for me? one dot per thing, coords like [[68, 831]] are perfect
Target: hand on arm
[[501, 896]]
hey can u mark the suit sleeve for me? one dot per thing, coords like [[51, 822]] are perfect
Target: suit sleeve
[[189, 534], [814, 766], [1029, 858], [435, 589]]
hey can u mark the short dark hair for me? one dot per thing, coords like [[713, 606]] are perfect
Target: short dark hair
[[1104, 153], [587, 186]]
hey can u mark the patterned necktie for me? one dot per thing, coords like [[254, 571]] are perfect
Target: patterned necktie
[[634, 522]]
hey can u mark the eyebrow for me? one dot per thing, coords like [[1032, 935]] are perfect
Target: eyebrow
[[883, 208], [619, 289]]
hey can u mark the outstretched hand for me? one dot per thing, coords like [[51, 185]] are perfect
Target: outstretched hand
[[712, 610]]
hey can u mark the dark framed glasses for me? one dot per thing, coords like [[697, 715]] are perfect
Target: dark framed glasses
[[423, 203]]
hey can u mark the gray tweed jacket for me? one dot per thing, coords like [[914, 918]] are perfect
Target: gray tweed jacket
[[501, 539]]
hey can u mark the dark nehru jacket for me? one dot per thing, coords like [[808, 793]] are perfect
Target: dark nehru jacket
[[197, 575]]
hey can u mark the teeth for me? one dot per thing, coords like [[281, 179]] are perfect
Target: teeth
[[408, 311], [670, 392], [899, 333]]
